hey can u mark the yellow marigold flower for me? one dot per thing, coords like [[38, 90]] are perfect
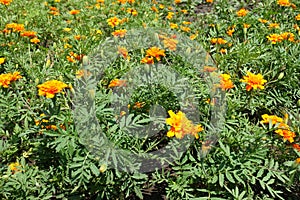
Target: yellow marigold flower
[[147, 60], [5, 2], [155, 52], [274, 25], [170, 15], [184, 11], [74, 12], [181, 126], [297, 160], [297, 17], [230, 30], [246, 25], [117, 83], [119, 33], [2, 60], [35, 40], [114, 21], [274, 38], [218, 41], [132, 11], [186, 23], [225, 82], [177, 1], [242, 12], [50, 88], [15, 167], [223, 51], [271, 119], [28, 34], [7, 79], [284, 3], [254, 81], [288, 36], [122, 1], [185, 28], [264, 21], [153, 8], [67, 29], [173, 25]]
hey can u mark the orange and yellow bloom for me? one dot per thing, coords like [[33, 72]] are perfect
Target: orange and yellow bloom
[[7, 79], [50, 88], [242, 12], [253, 81]]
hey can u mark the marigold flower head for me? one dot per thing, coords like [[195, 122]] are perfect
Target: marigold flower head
[[254, 81], [296, 146], [147, 60], [218, 41], [35, 40], [7, 79], [117, 83], [288, 36], [15, 167], [173, 26], [74, 12], [209, 1], [286, 134], [132, 11], [274, 25], [284, 3], [264, 21], [155, 52], [274, 38], [119, 33], [170, 15], [124, 52], [225, 82], [242, 12], [50, 88], [181, 126], [246, 25], [15, 27], [114, 21], [297, 17], [271, 119], [5, 2], [2, 60], [28, 34], [297, 160]]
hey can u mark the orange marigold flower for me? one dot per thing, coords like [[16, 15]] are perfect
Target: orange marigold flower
[[218, 41], [177, 1], [6, 79], [124, 52], [74, 12], [230, 30], [35, 40], [153, 8], [271, 119], [14, 167], [28, 34], [288, 36], [122, 1], [246, 25], [15, 27], [147, 60], [184, 11], [170, 15], [114, 21], [50, 88], [139, 104], [242, 12], [297, 147], [119, 33], [225, 82], [274, 38], [5, 2], [173, 25], [132, 11], [297, 160], [284, 3], [185, 28], [181, 126], [264, 21], [254, 81], [286, 134], [2, 60], [297, 17], [155, 52], [116, 83], [209, 1]]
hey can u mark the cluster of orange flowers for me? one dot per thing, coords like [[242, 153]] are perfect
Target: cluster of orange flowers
[[7, 79], [181, 126], [218, 41], [50, 88], [274, 38], [242, 12], [113, 22], [253, 81], [5, 2], [151, 53], [282, 129], [20, 28], [73, 57]]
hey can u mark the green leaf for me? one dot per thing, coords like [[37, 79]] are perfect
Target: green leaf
[[221, 179], [94, 169], [229, 177]]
